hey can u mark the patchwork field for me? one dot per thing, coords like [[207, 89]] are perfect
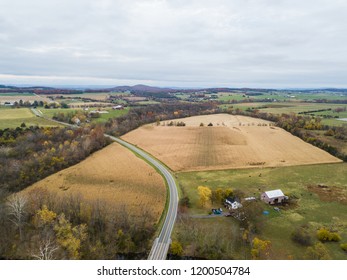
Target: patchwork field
[[101, 96], [115, 177], [325, 111], [13, 97], [232, 142]]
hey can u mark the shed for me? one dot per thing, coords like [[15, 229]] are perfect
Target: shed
[[118, 107], [273, 197]]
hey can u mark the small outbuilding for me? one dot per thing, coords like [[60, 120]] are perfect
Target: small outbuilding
[[251, 198], [273, 197], [118, 107]]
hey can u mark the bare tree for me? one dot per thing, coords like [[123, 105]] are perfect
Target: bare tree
[[46, 250], [17, 211]]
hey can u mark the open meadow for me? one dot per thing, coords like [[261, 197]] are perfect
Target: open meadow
[[312, 206], [14, 117], [232, 142], [115, 177]]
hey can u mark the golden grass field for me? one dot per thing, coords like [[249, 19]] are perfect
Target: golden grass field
[[232, 142], [114, 176]]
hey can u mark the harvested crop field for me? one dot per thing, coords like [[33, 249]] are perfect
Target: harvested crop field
[[232, 142], [115, 177], [24, 97]]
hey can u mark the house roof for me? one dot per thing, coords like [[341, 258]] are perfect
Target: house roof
[[274, 193]]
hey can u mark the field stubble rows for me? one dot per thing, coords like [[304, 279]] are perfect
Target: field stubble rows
[[115, 177], [232, 142]]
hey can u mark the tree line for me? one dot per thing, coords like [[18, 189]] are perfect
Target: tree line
[[157, 112], [27, 155]]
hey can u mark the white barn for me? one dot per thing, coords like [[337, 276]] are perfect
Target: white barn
[[273, 197]]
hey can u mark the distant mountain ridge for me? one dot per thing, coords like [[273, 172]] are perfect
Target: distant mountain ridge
[[145, 89]]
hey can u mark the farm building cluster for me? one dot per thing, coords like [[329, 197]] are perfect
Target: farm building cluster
[[233, 204]]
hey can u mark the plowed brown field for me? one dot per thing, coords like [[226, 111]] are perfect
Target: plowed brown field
[[114, 176], [232, 142]]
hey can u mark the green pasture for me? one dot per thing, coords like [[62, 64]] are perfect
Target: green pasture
[[17, 94], [12, 118], [111, 114], [293, 181]]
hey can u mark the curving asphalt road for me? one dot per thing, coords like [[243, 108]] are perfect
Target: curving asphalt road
[[162, 242]]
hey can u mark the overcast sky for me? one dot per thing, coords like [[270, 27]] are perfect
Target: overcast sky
[[235, 43]]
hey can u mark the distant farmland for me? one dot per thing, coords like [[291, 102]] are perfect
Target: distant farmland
[[16, 97], [115, 177], [232, 142]]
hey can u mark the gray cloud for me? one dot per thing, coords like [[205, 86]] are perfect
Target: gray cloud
[[281, 43]]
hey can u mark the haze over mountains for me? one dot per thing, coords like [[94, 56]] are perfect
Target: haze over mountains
[[147, 89]]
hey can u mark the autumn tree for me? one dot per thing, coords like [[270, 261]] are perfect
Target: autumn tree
[[44, 221], [260, 249], [204, 195], [317, 252], [69, 237], [176, 248], [124, 242], [217, 196], [325, 235]]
